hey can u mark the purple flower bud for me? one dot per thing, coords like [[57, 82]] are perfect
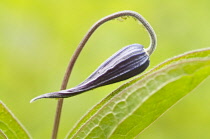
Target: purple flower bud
[[126, 63]]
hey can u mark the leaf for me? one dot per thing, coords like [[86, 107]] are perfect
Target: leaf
[[9, 126], [2, 135], [127, 111]]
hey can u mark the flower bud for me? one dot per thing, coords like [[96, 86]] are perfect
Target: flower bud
[[126, 63]]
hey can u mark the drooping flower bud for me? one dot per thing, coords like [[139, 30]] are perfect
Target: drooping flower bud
[[126, 63]]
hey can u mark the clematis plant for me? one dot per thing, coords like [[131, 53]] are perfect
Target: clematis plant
[[126, 63], [130, 109]]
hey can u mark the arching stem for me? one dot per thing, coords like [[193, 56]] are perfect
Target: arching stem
[[149, 50]]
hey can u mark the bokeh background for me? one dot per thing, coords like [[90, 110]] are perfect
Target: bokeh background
[[38, 37]]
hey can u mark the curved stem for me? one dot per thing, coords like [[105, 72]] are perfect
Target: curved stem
[[149, 50]]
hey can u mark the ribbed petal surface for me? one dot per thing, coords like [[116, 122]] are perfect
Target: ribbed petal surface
[[126, 63]]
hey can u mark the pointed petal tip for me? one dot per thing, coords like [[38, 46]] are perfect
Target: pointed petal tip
[[48, 95], [36, 98], [41, 96], [32, 100]]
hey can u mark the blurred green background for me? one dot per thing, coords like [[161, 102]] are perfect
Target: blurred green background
[[38, 37]]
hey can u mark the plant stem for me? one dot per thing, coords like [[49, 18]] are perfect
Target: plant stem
[[57, 118], [149, 50]]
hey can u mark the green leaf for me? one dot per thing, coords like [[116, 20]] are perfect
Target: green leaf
[[9, 126], [127, 111], [2, 135]]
